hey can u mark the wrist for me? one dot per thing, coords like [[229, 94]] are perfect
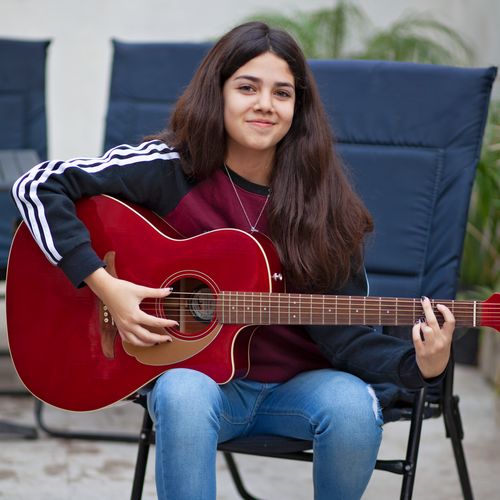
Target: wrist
[[98, 281]]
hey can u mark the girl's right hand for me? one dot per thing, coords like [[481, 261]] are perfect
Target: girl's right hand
[[122, 298]]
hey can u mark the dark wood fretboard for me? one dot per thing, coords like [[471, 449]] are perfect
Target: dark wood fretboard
[[299, 309]]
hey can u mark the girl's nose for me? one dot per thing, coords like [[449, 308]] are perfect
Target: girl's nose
[[264, 102]]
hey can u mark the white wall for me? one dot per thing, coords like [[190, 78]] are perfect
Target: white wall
[[80, 53]]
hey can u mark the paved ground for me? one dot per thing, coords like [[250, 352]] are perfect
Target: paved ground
[[62, 469]]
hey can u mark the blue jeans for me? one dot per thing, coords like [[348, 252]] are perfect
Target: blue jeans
[[336, 410]]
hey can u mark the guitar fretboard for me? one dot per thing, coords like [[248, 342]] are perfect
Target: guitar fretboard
[[299, 309]]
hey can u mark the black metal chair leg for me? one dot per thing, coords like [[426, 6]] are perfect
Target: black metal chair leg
[[235, 474], [454, 430], [145, 439], [413, 446]]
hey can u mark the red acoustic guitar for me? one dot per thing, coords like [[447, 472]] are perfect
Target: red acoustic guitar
[[69, 354]]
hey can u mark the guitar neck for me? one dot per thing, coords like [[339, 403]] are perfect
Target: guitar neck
[[299, 309]]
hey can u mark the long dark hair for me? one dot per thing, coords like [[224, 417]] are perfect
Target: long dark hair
[[316, 220]]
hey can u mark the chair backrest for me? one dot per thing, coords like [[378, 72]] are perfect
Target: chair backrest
[[411, 136], [146, 80], [23, 123]]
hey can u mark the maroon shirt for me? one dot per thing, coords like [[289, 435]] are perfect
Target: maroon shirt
[[277, 353]]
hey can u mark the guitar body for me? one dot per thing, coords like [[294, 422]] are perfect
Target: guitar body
[[63, 343]]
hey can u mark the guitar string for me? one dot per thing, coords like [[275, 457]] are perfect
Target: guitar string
[[341, 310], [327, 301], [327, 309], [305, 297]]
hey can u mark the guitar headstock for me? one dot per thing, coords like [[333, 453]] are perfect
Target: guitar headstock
[[490, 312]]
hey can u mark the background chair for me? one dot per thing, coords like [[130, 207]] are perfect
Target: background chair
[[22, 123], [23, 142], [146, 80], [410, 135]]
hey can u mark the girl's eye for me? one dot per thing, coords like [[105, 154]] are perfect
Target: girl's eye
[[246, 88], [283, 93]]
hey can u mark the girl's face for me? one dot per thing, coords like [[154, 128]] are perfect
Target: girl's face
[[259, 100]]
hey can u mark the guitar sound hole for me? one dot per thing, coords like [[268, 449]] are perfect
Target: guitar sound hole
[[191, 303]]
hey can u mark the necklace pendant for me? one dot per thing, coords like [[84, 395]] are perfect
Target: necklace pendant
[[253, 228]]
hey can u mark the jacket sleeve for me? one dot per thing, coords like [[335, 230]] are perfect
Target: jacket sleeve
[[366, 352], [46, 194]]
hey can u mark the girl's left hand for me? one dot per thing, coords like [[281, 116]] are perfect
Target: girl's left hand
[[432, 342]]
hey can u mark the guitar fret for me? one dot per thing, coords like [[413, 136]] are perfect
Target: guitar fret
[[300, 312], [269, 308], [289, 306], [279, 309], [237, 307], [310, 310], [357, 310], [260, 308], [244, 309], [221, 314], [294, 313]]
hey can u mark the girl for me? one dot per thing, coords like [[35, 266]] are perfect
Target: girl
[[248, 147]]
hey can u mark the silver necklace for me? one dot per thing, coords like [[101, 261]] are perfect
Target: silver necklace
[[253, 227]]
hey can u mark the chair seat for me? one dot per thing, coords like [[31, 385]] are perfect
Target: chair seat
[[265, 444]]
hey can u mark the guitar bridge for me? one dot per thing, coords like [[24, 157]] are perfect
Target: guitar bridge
[[107, 324]]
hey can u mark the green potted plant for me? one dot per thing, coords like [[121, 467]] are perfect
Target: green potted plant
[[480, 270], [326, 33]]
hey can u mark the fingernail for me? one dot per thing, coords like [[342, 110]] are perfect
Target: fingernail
[[423, 298], [169, 288]]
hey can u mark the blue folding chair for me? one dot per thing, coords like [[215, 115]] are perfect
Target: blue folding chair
[[23, 141], [410, 136], [146, 81], [23, 124]]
